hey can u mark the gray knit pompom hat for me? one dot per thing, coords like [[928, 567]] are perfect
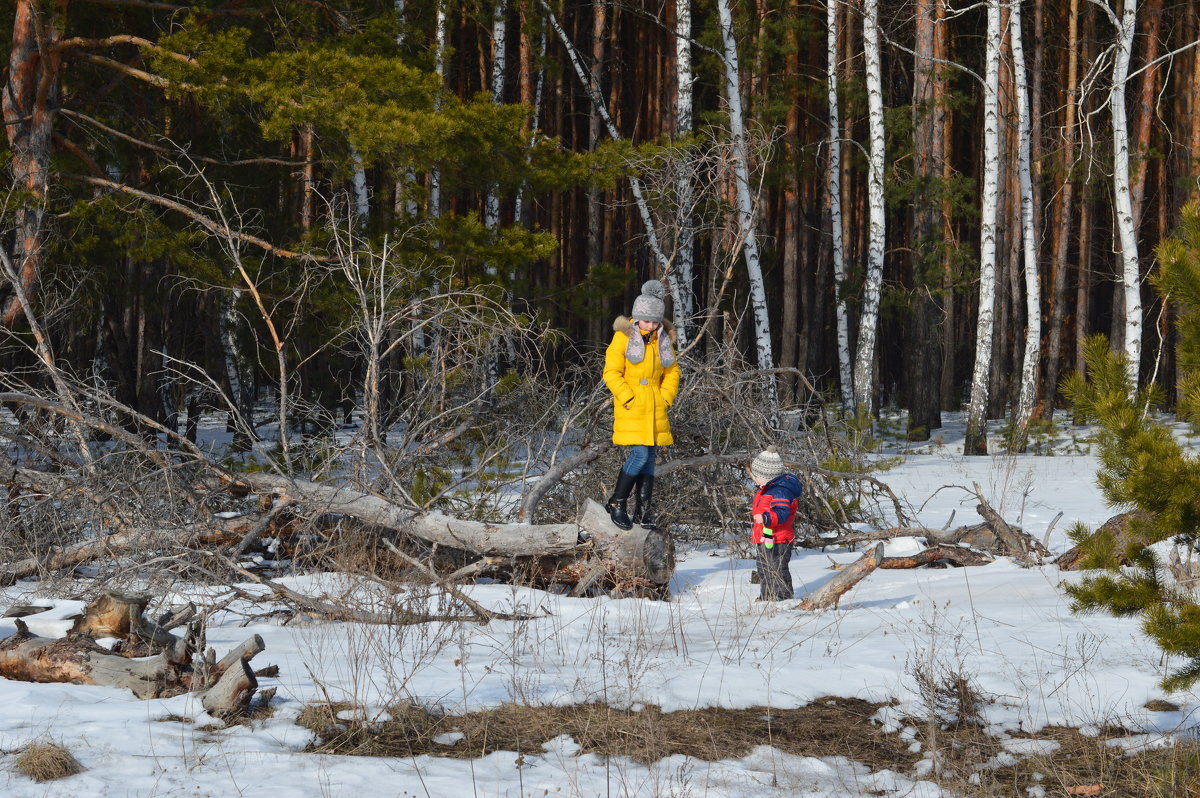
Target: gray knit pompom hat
[[649, 304], [767, 465]]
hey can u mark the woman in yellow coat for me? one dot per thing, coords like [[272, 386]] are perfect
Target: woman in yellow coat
[[641, 372]]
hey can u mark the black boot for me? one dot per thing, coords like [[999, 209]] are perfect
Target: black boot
[[616, 504], [642, 513], [636, 515]]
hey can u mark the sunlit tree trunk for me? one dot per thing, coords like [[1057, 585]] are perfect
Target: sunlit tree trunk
[[1033, 306], [975, 441], [30, 104], [745, 201], [1122, 195], [834, 197], [864, 361]]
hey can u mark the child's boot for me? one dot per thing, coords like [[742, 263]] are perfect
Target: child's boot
[[645, 492], [617, 503]]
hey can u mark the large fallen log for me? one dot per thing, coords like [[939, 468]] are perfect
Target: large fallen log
[[561, 554]]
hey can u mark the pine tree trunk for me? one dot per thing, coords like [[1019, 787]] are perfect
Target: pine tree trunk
[[1145, 108], [789, 316], [864, 360], [30, 104], [950, 393], [595, 229], [922, 352], [975, 441], [1066, 211]]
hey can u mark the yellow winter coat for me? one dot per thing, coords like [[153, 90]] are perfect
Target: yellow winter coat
[[643, 390]]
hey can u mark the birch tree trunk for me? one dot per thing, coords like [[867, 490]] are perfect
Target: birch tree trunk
[[683, 127], [439, 69], [1122, 196], [975, 441], [864, 361], [745, 202], [1033, 304], [362, 203], [405, 202], [834, 197], [491, 203]]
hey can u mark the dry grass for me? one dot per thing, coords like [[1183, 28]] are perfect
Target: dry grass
[[1093, 761], [826, 727], [46, 762], [831, 724]]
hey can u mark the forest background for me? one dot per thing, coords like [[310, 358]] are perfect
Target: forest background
[[899, 202]]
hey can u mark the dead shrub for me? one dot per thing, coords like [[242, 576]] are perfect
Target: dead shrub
[[46, 762]]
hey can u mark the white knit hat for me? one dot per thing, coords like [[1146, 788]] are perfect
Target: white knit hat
[[767, 465]]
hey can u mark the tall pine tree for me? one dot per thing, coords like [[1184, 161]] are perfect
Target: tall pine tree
[[1144, 467]]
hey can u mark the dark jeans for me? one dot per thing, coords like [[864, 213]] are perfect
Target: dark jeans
[[639, 461], [774, 578]]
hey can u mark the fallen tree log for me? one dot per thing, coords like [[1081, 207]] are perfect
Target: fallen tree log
[[178, 666], [628, 561], [994, 537], [832, 591], [533, 553], [953, 555], [1119, 528]]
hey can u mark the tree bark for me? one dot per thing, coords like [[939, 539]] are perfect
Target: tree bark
[[975, 441], [834, 198], [829, 594], [923, 353], [746, 216], [1066, 212], [30, 105], [1122, 195], [864, 360], [1033, 304]]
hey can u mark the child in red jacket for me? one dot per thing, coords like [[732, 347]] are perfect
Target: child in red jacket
[[774, 513]]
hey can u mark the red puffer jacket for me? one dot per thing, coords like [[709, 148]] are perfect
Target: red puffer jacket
[[777, 501]]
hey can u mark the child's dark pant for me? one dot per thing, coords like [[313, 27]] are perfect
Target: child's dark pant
[[774, 577]]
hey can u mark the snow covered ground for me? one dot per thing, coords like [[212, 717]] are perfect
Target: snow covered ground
[[712, 645]]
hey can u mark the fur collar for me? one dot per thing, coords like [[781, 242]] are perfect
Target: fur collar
[[624, 324]]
